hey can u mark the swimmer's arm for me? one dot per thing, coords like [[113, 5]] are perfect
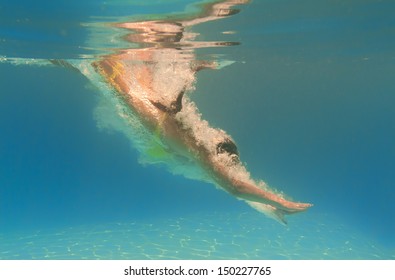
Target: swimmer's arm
[[250, 192]]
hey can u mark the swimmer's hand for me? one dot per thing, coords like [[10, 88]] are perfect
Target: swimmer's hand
[[290, 207], [253, 193]]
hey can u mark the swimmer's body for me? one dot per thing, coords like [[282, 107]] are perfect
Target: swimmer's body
[[153, 81], [137, 76]]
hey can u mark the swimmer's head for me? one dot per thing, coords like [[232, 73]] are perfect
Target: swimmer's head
[[229, 147]]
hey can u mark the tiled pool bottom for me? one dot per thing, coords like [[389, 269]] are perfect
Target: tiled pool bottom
[[204, 236]]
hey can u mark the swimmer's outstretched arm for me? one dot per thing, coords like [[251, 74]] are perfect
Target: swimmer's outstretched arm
[[250, 192]]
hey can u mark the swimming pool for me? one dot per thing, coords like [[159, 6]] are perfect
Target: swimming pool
[[304, 90]]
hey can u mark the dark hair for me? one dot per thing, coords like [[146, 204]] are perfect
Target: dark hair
[[227, 146]]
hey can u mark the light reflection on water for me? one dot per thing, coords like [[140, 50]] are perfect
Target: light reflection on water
[[200, 236]]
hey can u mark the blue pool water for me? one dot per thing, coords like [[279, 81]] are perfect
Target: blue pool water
[[308, 100]]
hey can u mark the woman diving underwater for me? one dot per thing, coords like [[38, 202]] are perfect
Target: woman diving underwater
[[154, 80]]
